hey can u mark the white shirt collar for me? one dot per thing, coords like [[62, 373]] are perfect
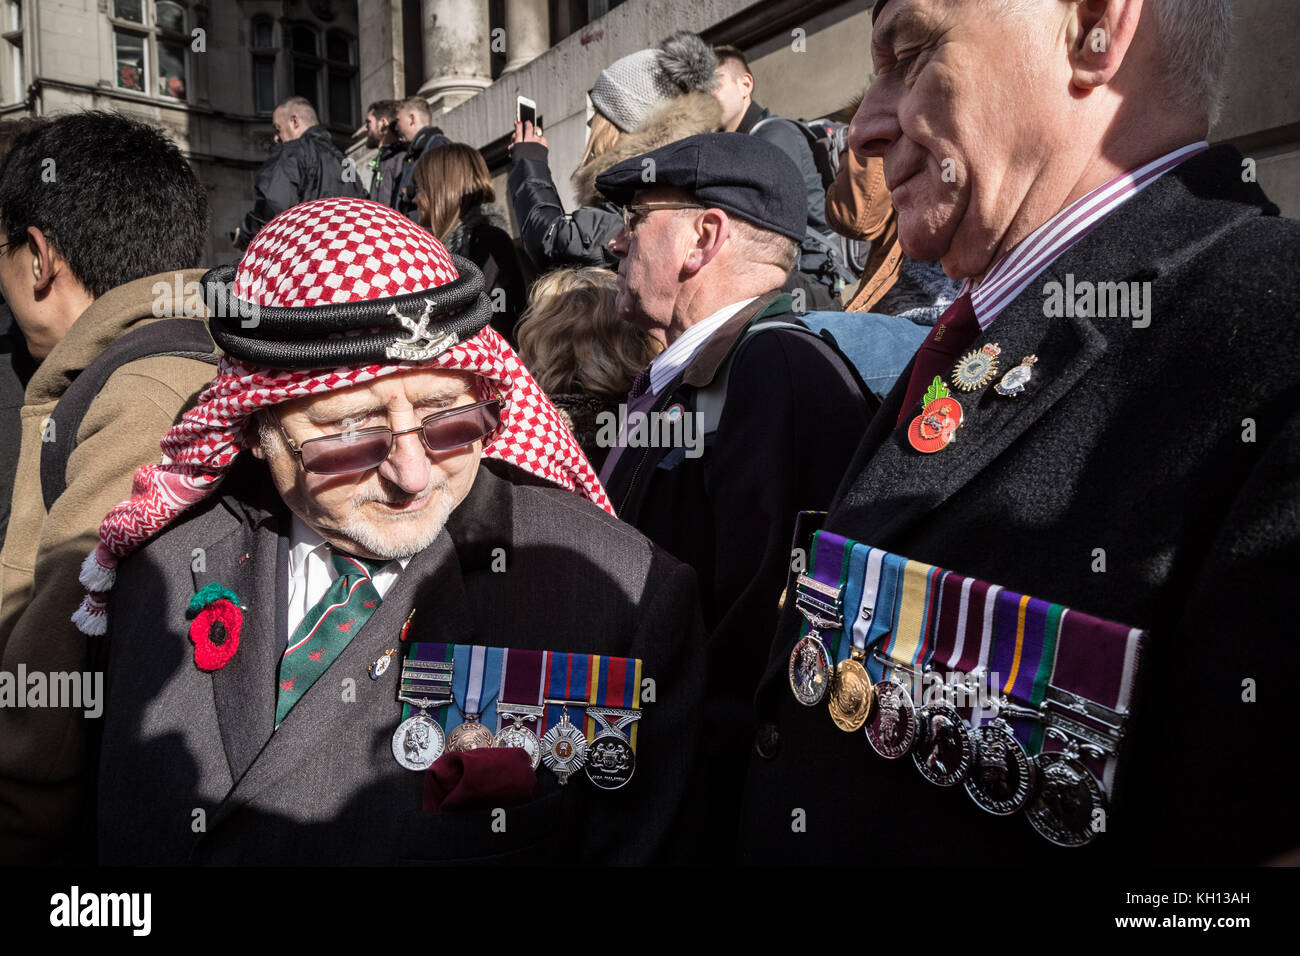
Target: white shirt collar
[[677, 356], [1013, 273], [305, 542]]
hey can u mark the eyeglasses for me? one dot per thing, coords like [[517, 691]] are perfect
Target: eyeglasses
[[633, 213], [368, 448]]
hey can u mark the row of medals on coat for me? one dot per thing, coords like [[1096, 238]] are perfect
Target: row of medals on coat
[[987, 760], [1007, 779], [608, 759]]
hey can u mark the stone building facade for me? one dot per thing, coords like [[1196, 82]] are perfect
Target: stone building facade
[[210, 71]]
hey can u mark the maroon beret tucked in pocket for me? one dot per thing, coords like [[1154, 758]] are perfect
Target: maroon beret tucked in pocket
[[483, 778]]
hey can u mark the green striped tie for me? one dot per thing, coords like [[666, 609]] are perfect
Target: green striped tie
[[327, 628]]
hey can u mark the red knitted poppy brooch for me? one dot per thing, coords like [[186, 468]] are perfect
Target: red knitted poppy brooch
[[215, 629]]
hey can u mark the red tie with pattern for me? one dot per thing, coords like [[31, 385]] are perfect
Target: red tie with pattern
[[956, 329]]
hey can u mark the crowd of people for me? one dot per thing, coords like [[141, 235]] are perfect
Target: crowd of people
[[399, 523]]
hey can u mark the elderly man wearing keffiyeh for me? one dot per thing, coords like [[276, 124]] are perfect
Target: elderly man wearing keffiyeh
[[372, 470]]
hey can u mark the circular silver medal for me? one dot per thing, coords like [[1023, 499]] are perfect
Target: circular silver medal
[[1002, 776], [1067, 802], [943, 749], [418, 742], [516, 735], [892, 726], [564, 749], [610, 761], [810, 669]]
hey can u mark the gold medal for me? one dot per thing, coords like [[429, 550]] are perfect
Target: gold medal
[[851, 694], [976, 369]]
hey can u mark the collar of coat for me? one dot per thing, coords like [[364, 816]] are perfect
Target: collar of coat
[[106, 320], [703, 367], [753, 116]]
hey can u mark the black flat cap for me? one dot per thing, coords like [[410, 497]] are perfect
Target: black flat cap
[[742, 174]]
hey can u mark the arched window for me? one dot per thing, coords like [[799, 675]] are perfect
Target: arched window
[[151, 47]]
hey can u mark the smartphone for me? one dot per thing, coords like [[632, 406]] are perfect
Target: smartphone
[[525, 111]]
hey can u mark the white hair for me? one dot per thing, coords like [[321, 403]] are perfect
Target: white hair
[[1194, 40], [763, 246]]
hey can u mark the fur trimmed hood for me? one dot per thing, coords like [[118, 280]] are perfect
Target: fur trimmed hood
[[675, 119]]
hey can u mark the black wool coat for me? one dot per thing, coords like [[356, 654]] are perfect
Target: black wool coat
[[794, 412], [1173, 448], [324, 788]]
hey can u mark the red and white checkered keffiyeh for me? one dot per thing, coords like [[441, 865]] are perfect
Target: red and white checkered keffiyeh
[[326, 251]]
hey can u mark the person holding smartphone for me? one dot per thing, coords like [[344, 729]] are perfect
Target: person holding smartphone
[[643, 101]]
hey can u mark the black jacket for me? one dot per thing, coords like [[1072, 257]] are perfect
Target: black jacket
[[386, 173], [306, 168], [786, 136], [553, 238], [793, 413], [483, 237], [324, 788], [426, 138], [550, 237], [1175, 448]]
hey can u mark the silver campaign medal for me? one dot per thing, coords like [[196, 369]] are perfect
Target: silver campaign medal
[[1066, 808], [811, 665], [515, 734], [810, 669], [1001, 777], [943, 748], [418, 742], [564, 748], [611, 761], [892, 727]]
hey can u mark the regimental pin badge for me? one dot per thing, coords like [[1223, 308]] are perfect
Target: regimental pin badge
[[381, 663], [976, 369], [1014, 382], [939, 420]]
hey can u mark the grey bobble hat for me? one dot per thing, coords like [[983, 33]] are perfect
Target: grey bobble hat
[[631, 87]]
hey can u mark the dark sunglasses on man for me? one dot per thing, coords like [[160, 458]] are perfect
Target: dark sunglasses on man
[[367, 448]]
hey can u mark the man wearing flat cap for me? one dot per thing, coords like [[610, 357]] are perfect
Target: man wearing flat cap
[[772, 411], [372, 594], [1106, 419]]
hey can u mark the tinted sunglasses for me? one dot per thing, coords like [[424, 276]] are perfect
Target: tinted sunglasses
[[350, 452]]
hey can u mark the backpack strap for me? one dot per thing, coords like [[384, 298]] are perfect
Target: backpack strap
[[710, 400], [184, 338]]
